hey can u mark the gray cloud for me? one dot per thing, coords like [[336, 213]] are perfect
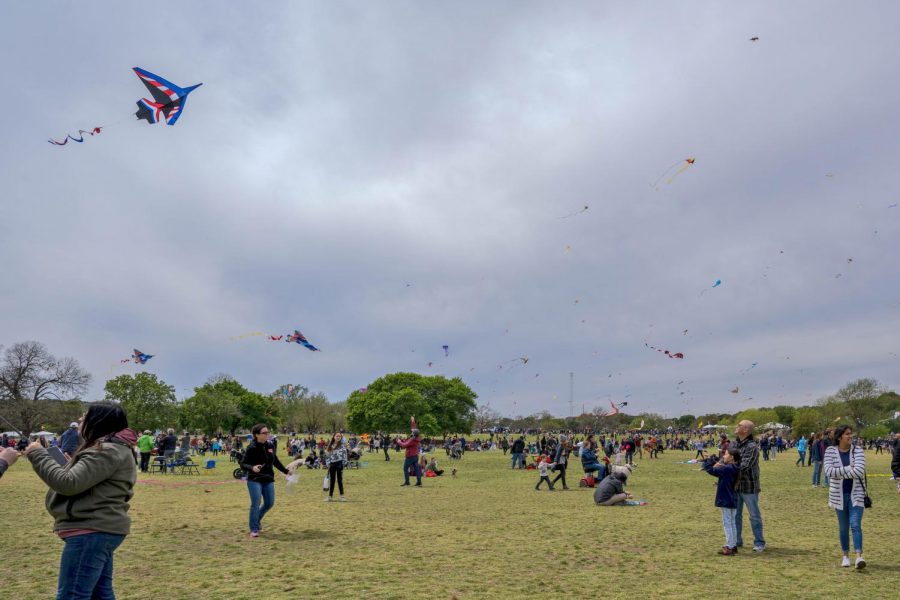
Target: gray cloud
[[338, 152]]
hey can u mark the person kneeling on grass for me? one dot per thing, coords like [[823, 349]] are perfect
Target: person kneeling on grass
[[726, 469], [611, 491], [88, 500]]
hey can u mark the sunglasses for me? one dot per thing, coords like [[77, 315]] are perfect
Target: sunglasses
[[263, 433]]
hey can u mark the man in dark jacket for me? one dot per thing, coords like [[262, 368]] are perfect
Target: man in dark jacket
[[518, 452], [70, 440], [748, 485]]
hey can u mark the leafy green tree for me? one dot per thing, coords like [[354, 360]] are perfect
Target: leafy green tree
[[209, 411], [785, 414], [440, 405], [252, 408], [148, 401], [873, 432], [685, 421], [859, 397], [336, 420], [806, 420], [759, 416]]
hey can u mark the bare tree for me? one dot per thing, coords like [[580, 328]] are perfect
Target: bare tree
[[31, 379], [485, 417]]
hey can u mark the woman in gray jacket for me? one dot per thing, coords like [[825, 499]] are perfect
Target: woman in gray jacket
[[845, 465], [89, 499]]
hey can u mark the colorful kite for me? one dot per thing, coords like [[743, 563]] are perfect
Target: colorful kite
[[167, 104], [139, 358], [715, 284], [299, 338], [79, 139], [169, 98], [666, 352], [275, 338], [680, 167]]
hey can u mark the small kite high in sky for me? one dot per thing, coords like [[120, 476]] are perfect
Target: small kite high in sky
[[446, 350], [674, 171], [169, 98], [666, 352], [299, 338], [577, 212], [79, 139]]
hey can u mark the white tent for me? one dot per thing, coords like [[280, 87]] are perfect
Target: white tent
[[708, 427], [49, 434], [11, 434], [775, 426]]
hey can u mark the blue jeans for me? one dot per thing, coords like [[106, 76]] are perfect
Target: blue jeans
[[802, 458], [752, 502], [600, 468], [412, 461], [850, 520], [518, 457], [86, 567], [265, 492], [817, 472], [728, 524]]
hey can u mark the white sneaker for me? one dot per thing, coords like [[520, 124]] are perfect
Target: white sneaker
[[845, 562], [327, 498], [860, 562], [342, 499]]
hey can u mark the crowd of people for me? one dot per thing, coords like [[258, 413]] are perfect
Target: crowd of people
[[90, 492]]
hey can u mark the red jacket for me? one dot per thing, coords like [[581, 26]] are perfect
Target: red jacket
[[411, 445]]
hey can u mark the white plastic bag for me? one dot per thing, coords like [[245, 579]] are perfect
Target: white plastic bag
[[325, 483]]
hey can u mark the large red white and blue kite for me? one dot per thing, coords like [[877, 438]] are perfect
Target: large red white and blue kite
[[299, 338], [167, 104]]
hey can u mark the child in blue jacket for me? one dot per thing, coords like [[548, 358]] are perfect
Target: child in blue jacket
[[726, 468]]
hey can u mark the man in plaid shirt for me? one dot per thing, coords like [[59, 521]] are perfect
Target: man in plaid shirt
[[748, 485]]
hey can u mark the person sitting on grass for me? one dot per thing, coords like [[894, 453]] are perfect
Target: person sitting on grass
[[611, 491], [726, 469], [433, 467]]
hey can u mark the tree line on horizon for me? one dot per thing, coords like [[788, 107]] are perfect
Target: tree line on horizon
[[39, 391]]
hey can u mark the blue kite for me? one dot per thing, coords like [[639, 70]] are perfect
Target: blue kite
[[169, 98], [299, 338], [139, 358]]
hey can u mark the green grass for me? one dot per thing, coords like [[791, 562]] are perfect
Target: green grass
[[484, 534]]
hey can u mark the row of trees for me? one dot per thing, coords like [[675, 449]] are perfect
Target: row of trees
[[40, 391], [864, 403]]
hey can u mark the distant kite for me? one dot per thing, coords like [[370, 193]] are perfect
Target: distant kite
[[575, 213], [666, 352], [752, 366], [275, 338], [139, 358], [674, 171], [299, 338], [446, 350], [754, 39], [715, 284], [736, 390]]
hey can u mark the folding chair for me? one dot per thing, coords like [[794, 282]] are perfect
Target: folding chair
[[210, 465]]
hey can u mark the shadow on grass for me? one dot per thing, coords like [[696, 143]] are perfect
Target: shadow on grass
[[299, 535]]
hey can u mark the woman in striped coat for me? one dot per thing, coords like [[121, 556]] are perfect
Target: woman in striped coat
[[845, 465]]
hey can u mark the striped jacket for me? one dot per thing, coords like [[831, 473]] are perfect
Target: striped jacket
[[838, 473]]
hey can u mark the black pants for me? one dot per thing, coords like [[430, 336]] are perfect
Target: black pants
[[145, 461], [386, 457], [542, 480], [561, 474], [336, 471]]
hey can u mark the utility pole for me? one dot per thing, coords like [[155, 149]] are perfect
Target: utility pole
[[571, 393]]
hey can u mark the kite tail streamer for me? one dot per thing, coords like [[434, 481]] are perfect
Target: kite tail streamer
[[79, 139]]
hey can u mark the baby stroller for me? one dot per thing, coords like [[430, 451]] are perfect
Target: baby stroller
[[238, 457], [353, 458]]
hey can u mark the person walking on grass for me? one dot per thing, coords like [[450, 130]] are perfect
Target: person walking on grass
[[726, 469], [336, 461], [543, 465], [801, 450], [89, 499], [411, 445], [845, 465], [748, 486], [816, 454], [561, 459], [895, 460], [259, 460]]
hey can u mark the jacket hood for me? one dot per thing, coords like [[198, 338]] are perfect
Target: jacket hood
[[127, 436]]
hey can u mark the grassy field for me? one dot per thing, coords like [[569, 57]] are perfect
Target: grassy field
[[484, 534]]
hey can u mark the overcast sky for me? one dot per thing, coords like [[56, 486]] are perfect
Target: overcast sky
[[391, 177]]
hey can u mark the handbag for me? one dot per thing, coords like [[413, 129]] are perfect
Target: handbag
[[867, 501]]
